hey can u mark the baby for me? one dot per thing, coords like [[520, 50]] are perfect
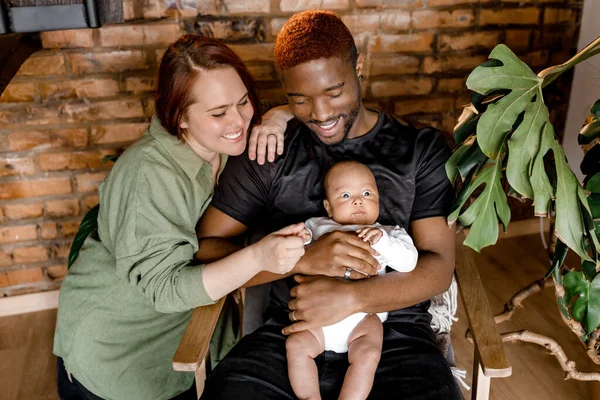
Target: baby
[[352, 204]]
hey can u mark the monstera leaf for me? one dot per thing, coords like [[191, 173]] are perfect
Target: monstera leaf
[[586, 307], [87, 226], [500, 117], [484, 212]]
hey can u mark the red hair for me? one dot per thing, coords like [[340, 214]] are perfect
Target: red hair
[[311, 35], [178, 71]]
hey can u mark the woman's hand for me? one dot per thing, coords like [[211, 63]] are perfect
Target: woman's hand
[[336, 251], [280, 251], [267, 138]]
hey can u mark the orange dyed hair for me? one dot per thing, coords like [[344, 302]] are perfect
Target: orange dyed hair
[[312, 35]]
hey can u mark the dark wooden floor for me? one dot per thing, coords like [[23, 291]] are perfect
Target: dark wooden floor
[[27, 368]]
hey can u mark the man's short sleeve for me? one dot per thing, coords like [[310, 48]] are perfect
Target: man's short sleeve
[[434, 193], [243, 189]]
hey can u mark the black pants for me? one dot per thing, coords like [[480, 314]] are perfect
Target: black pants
[[411, 367], [68, 390]]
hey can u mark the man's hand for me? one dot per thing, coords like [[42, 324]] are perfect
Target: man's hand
[[319, 301], [332, 253]]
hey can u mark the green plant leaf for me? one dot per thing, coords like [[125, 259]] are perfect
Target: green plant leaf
[[593, 184], [560, 253], [88, 225], [589, 132], [472, 161], [524, 145], [466, 124], [500, 117], [569, 196], [542, 189], [485, 211], [595, 110], [451, 164], [586, 308], [589, 270], [594, 203]]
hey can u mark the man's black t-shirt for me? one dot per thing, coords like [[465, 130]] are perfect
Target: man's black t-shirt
[[408, 165]]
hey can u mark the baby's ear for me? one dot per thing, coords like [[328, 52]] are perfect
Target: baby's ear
[[327, 208]]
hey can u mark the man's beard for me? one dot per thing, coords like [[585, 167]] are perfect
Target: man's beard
[[349, 120]]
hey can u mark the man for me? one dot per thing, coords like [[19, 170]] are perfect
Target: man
[[320, 70]]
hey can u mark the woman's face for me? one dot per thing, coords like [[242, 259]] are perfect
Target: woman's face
[[218, 121]]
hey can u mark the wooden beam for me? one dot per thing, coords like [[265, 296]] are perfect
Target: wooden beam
[[15, 49], [27, 303]]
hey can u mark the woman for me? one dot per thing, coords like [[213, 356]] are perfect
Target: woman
[[127, 299]]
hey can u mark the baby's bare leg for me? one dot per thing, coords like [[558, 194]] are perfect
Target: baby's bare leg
[[364, 352], [302, 348]]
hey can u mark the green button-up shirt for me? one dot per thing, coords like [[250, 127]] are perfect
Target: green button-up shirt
[[126, 301]]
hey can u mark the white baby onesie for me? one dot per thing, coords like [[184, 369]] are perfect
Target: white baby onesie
[[396, 250]]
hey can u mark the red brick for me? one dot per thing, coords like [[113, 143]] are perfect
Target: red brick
[[19, 92], [537, 59], [451, 63], [401, 87], [435, 3], [114, 61], [25, 255], [103, 110], [247, 6], [159, 55], [16, 166], [43, 65], [395, 21], [23, 211], [34, 188], [149, 106], [4, 279], [394, 65], [301, 5], [426, 19], [89, 182], [140, 84], [559, 15], [509, 16], [69, 228], [276, 25], [254, 52], [448, 124], [118, 133], [61, 250], [68, 39], [424, 106], [517, 39], [360, 23], [48, 230], [263, 72], [451, 85], [62, 208], [389, 3], [78, 89], [21, 276], [468, 40], [18, 233], [136, 35], [400, 43], [5, 260], [90, 202], [57, 271], [19, 141], [73, 160]]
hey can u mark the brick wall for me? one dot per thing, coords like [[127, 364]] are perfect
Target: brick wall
[[89, 93]]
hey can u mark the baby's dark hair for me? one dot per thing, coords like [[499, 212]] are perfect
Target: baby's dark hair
[[312, 35], [337, 165]]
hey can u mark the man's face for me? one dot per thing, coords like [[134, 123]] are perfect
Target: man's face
[[324, 94]]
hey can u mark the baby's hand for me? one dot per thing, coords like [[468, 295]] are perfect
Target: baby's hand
[[371, 235], [305, 235]]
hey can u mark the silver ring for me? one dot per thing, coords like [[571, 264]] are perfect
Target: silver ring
[[293, 316], [347, 273]]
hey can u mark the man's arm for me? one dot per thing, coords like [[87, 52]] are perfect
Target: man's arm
[[327, 256], [321, 301]]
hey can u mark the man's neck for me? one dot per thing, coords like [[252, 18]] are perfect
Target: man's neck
[[365, 122]]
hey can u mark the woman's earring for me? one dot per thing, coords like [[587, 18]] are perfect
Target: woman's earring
[[360, 77]]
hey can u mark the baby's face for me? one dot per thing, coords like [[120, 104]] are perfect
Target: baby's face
[[352, 196]]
